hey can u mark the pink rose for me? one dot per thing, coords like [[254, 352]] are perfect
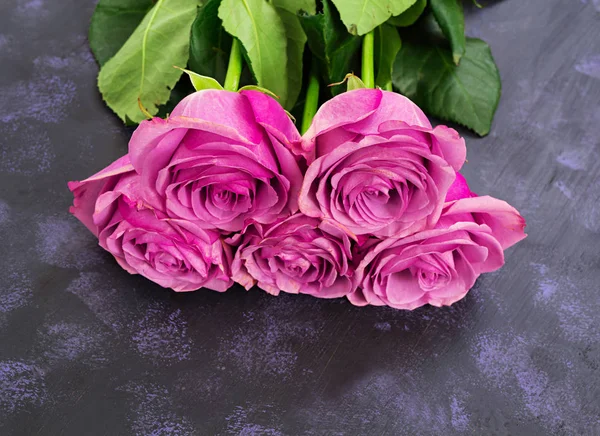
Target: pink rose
[[380, 168], [173, 253], [439, 266], [298, 255], [220, 159]]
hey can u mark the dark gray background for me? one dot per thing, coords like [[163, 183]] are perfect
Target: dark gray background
[[87, 349]]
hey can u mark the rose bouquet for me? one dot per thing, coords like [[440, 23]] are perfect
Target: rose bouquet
[[366, 204]]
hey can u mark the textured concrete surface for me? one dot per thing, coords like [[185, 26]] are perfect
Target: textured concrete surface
[[87, 349]]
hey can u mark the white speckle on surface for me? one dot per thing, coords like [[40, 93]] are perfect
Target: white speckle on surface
[[589, 212], [370, 399], [161, 337], [562, 187], [44, 97], [29, 12], [574, 159], [560, 294], [240, 422], [265, 345], [101, 299], [507, 360], [4, 212], [255, 350], [546, 286], [27, 151], [16, 290], [69, 342], [32, 5], [594, 3], [578, 320], [459, 417], [501, 357], [383, 326], [153, 412], [54, 62], [590, 66], [21, 386], [4, 42], [66, 243]]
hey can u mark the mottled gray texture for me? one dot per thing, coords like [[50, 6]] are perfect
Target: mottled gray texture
[[86, 349]]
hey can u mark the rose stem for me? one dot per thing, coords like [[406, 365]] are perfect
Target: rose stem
[[234, 68], [368, 73], [312, 97]]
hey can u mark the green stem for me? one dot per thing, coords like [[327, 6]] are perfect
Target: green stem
[[234, 69], [368, 63], [388, 87], [312, 97]]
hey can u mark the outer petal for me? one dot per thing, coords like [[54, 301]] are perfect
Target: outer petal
[[393, 106], [459, 189], [450, 145], [346, 108], [87, 191], [505, 221], [361, 112], [228, 109], [272, 117], [444, 141]]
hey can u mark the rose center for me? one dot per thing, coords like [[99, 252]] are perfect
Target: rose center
[[431, 280], [160, 260], [222, 201], [293, 264]]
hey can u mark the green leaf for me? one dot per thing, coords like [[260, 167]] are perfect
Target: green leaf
[[409, 16], [201, 82], [112, 24], [329, 41], [362, 16], [209, 43], [143, 68], [296, 40], [297, 6], [354, 82], [467, 94], [182, 89], [450, 16], [387, 45], [258, 26]]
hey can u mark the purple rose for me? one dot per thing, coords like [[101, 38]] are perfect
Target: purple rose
[[300, 255], [379, 168], [439, 266], [220, 159], [173, 253]]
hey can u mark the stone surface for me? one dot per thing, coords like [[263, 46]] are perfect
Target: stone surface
[[86, 348]]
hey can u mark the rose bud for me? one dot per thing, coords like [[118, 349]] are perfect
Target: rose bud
[[220, 159], [300, 255], [379, 168], [439, 266], [173, 253]]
